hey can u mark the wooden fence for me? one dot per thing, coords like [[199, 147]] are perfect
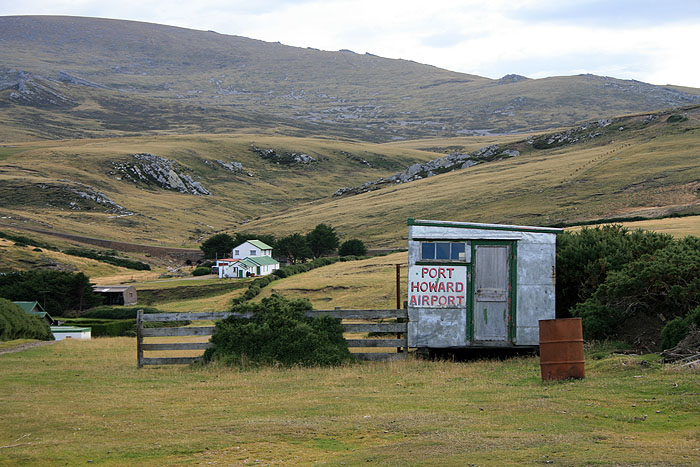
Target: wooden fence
[[363, 322]]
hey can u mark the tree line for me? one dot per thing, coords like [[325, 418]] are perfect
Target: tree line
[[323, 240]]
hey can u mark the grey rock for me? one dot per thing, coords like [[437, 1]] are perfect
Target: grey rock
[[155, 170]]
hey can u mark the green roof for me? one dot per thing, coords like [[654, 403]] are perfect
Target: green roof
[[246, 262], [33, 308], [259, 244], [29, 307], [262, 260], [55, 329]]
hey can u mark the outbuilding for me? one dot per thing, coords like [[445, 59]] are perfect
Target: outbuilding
[[117, 294], [479, 285], [34, 308], [71, 332]]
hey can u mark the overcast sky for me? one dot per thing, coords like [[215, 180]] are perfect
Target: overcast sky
[[655, 41]]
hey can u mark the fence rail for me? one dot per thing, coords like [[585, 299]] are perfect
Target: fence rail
[[373, 324]]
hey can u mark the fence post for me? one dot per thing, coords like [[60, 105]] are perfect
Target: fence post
[[139, 339]]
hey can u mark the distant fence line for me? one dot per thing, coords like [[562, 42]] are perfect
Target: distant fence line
[[373, 323]]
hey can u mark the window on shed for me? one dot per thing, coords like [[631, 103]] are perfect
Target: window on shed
[[443, 251]]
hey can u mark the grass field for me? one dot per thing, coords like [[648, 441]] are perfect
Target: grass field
[[365, 284], [76, 402]]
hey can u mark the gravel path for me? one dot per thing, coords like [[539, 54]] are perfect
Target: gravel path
[[28, 345]]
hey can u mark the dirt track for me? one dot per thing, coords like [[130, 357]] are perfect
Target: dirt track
[[181, 254], [28, 345]]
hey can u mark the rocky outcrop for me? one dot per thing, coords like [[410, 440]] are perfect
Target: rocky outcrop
[[434, 167], [284, 158], [512, 78], [88, 193], [65, 77], [233, 166], [32, 90], [164, 173]]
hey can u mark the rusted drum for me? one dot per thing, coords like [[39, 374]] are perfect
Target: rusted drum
[[561, 349]]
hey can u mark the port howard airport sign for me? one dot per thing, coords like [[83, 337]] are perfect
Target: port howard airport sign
[[437, 286]]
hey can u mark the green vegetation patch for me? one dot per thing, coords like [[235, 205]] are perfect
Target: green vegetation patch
[[59, 291], [628, 285], [6, 152], [278, 333], [15, 323], [109, 257]]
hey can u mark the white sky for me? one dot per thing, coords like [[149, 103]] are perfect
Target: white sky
[[654, 41]]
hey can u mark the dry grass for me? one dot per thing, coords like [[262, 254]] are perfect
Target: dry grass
[[676, 226], [23, 257], [636, 174], [75, 402], [216, 303], [647, 169], [364, 284]]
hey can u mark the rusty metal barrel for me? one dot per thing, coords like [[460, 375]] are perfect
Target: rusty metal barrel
[[561, 349]]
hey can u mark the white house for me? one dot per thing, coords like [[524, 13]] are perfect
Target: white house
[[251, 249], [220, 263], [251, 258]]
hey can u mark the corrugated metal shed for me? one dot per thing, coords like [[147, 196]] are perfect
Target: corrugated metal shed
[[479, 285], [117, 294]]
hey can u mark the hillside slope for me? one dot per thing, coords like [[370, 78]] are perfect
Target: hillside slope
[[68, 77], [177, 190], [645, 165]]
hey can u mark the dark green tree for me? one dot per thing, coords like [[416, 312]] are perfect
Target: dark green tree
[[294, 247], [322, 240], [218, 246], [57, 291], [354, 247]]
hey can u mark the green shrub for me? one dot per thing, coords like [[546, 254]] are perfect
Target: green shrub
[[118, 327], [109, 257], [104, 327], [354, 247], [678, 328], [201, 271], [675, 118], [15, 323], [24, 240], [664, 284], [116, 312], [585, 258], [278, 333]]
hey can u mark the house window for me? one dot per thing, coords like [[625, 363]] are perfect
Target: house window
[[252, 252], [443, 251], [236, 252]]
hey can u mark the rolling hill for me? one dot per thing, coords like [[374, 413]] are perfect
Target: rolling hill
[[158, 135], [72, 77], [177, 190]]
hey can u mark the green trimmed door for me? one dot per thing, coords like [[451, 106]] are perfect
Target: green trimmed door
[[491, 299]]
